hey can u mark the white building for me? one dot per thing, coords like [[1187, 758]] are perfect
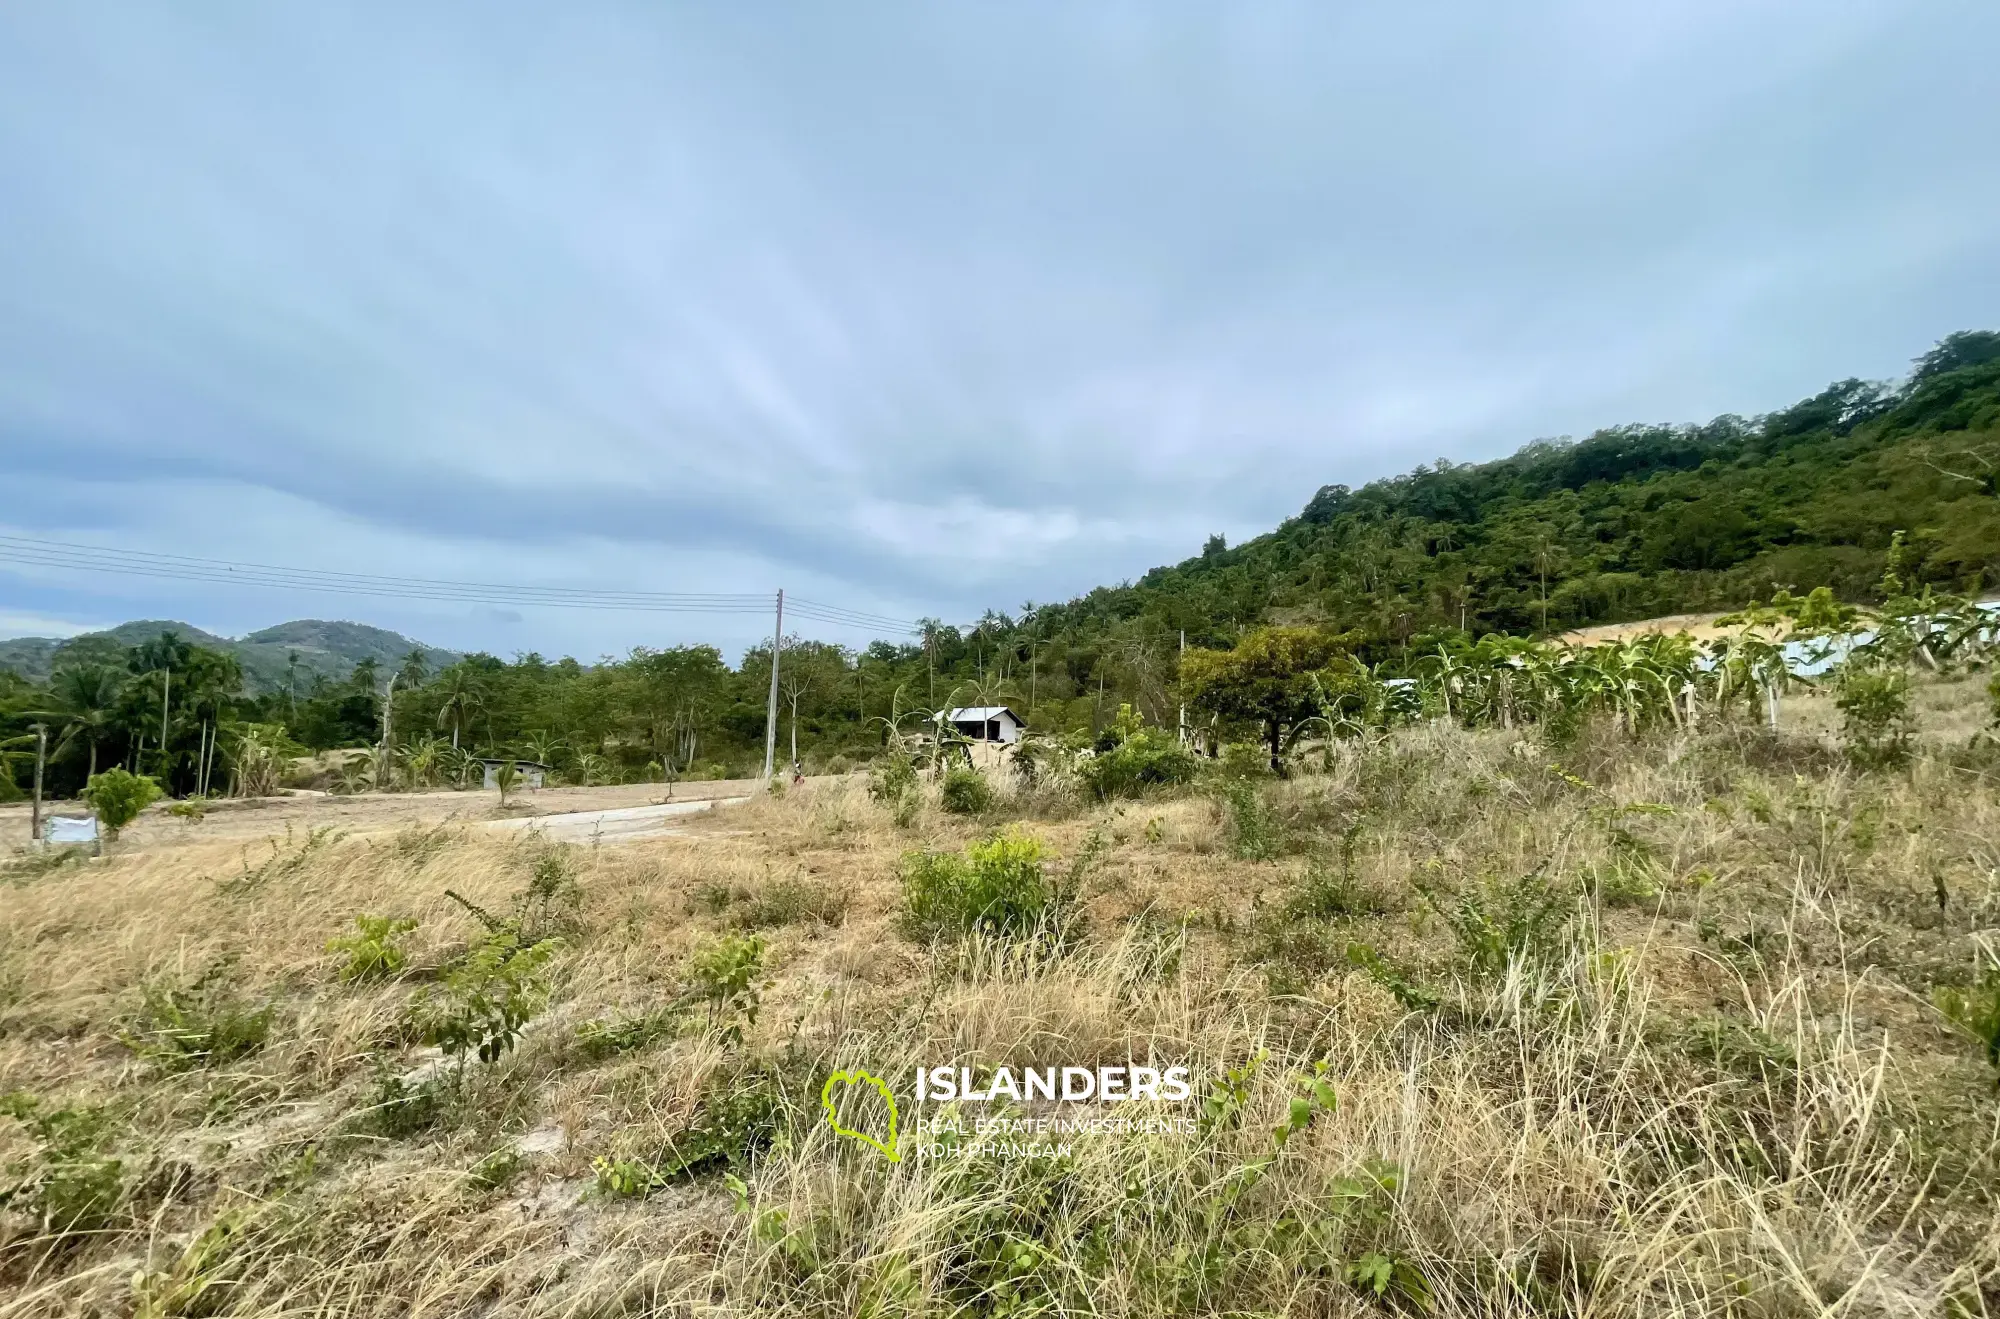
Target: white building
[[988, 723]]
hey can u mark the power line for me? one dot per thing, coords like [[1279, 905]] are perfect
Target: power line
[[29, 552]]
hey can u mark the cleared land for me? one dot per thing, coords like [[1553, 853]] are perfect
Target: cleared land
[[1615, 1027]]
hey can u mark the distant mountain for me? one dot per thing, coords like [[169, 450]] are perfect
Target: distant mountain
[[322, 647]]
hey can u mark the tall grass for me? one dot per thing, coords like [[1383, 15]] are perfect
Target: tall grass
[[1642, 1027]]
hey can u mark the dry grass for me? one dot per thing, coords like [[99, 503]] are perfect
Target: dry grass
[[1714, 1085]]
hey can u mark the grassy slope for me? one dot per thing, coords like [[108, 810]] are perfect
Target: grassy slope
[[1729, 1095]]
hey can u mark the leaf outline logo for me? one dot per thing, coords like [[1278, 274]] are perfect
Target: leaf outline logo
[[859, 1077]]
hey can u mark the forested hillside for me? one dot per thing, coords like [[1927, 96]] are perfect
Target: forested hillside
[[1632, 522]]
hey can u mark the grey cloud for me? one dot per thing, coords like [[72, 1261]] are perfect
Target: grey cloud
[[949, 305]]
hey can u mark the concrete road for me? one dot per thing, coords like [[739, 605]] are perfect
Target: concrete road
[[624, 825]]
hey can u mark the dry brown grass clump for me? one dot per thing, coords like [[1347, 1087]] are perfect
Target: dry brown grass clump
[[1610, 1028]]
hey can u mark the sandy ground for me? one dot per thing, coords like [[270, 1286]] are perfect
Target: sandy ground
[[367, 812]]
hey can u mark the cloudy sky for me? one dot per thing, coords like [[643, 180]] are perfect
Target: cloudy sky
[[922, 308]]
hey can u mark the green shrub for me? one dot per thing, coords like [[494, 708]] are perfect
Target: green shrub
[[965, 792], [1874, 704], [996, 886], [204, 1024], [488, 995], [375, 951], [1254, 832], [1993, 695], [738, 1118], [1976, 1010], [69, 1184], [1131, 758], [1525, 920], [117, 798], [893, 778], [723, 977]]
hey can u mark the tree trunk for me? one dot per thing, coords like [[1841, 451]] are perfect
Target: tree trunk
[[1276, 731]]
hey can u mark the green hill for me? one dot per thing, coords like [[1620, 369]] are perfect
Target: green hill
[[328, 648], [1632, 522]]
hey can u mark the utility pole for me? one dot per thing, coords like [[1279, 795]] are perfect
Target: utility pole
[[771, 713], [1177, 683], [41, 754]]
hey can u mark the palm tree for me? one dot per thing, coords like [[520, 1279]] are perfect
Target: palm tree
[[463, 697], [86, 702]]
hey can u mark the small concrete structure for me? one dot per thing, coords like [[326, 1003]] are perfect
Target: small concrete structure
[[530, 772], [988, 723]]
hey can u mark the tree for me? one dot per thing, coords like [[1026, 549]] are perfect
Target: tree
[[464, 696], [1954, 351], [1274, 677], [117, 798], [86, 703]]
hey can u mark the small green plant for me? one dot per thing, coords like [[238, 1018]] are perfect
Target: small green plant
[[996, 886], [1498, 924], [552, 901], [398, 1109], [200, 1279], [1874, 703], [598, 1039], [117, 798], [738, 1118], [1975, 1009], [506, 776], [893, 778], [490, 993], [203, 1024], [1254, 834], [189, 812], [70, 1184], [723, 977], [496, 1169], [965, 792], [375, 951]]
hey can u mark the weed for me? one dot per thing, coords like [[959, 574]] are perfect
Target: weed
[[190, 812], [1499, 924], [198, 1283], [996, 886], [965, 792], [488, 995], [1254, 833], [598, 1039], [204, 1024], [281, 863], [398, 1109], [1874, 703], [496, 1169], [375, 951], [42, 862], [893, 778], [738, 1118], [790, 902], [723, 977], [419, 843], [70, 1184], [1975, 1009]]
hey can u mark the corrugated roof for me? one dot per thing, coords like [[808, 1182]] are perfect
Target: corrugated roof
[[981, 713]]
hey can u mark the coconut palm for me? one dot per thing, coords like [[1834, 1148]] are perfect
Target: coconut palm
[[463, 697], [86, 703]]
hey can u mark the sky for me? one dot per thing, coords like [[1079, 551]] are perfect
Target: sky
[[917, 309]]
